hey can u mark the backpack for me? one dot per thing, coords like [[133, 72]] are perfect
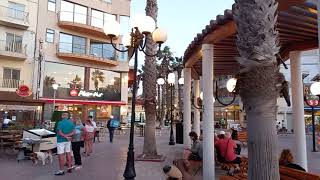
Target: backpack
[[114, 123]]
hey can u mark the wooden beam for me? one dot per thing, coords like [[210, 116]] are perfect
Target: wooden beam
[[222, 32], [303, 46], [286, 4]]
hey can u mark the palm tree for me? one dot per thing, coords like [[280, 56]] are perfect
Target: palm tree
[[96, 77], [48, 81], [149, 89], [259, 83], [76, 83]]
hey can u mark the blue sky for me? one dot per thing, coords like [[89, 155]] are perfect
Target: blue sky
[[183, 19]]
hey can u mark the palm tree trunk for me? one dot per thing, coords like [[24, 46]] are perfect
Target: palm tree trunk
[[180, 95], [149, 89], [259, 83]]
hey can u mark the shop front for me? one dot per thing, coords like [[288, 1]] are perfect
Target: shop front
[[82, 91], [23, 111]]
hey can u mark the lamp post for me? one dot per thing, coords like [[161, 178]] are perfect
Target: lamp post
[[171, 80], [160, 82], [142, 27], [181, 83], [55, 88], [313, 101]]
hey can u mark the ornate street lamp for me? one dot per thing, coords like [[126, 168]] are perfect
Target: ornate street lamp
[[313, 101], [142, 28], [55, 88], [171, 81], [231, 85]]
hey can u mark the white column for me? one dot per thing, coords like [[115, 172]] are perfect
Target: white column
[[298, 109], [196, 122], [208, 116], [187, 107]]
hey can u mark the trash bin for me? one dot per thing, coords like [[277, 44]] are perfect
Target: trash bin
[[179, 133]]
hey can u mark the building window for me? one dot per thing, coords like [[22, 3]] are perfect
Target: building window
[[11, 78], [72, 44], [73, 12], [13, 43], [123, 56], [50, 35], [103, 50], [124, 25], [99, 18], [16, 10], [52, 5]]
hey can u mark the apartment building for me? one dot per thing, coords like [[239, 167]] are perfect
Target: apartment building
[[18, 25], [78, 56]]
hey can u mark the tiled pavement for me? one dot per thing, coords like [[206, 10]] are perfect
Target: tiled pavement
[[108, 162]]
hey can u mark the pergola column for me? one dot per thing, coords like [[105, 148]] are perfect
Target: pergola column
[[187, 107], [208, 126], [196, 112], [298, 109]]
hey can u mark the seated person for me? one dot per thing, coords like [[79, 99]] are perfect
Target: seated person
[[286, 159], [226, 147], [196, 148]]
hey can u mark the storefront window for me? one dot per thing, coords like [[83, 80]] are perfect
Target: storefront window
[[67, 76], [107, 82]]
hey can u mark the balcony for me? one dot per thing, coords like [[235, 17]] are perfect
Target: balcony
[[80, 22], [13, 50], [79, 52], [14, 18], [10, 83]]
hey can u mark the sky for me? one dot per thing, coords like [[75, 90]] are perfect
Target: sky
[[183, 19]]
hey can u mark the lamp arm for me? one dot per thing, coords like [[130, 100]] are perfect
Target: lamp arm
[[217, 97], [111, 39], [142, 48]]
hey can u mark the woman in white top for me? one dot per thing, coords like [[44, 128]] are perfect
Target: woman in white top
[[88, 139]]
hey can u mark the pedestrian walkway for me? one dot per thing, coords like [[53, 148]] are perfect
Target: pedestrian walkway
[[108, 161]]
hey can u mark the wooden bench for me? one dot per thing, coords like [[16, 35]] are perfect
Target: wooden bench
[[285, 174], [242, 137], [293, 174]]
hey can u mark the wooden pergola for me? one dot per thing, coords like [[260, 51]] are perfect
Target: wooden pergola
[[215, 47], [297, 26]]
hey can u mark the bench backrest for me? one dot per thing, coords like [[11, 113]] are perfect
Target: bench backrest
[[242, 135], [293, 174]]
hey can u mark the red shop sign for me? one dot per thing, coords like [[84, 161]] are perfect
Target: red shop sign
[[24, 91], [73, 92]]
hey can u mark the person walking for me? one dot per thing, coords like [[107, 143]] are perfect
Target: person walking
[[89, 135], [77, 143], [112, 125], [65, 131]]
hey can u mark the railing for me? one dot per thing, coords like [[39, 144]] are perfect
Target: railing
[[10, 83], [11, 46], [14, 13], [71, 48], [103, 53], [73, 17], [81, 18]]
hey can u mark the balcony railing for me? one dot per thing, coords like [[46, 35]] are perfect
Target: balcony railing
[[10, 83], [14, 14], [13, 47], [78, 51], [103, 53]]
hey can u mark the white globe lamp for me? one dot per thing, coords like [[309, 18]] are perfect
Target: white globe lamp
[[231, 84], [315, 88]]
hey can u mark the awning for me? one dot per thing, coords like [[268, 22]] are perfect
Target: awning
[[88, 102]]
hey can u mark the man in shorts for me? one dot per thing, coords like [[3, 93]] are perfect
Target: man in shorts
[[65, 131]]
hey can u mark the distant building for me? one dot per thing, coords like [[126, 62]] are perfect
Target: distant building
[[78, 56]]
